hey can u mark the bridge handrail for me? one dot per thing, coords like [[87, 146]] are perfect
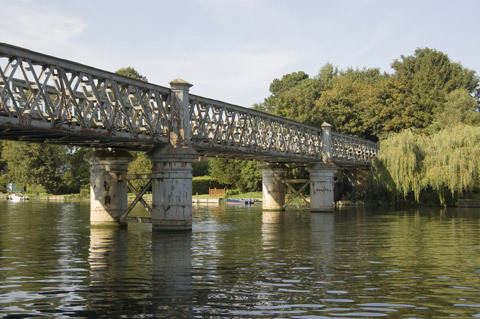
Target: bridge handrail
[[8, 50], [349, 149], [62, 92], [219, 124], [77, 98]]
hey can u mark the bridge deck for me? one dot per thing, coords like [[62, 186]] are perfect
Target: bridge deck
[[47, 99]]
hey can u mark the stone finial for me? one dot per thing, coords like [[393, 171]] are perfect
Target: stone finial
[[325, 124], [180, 84]]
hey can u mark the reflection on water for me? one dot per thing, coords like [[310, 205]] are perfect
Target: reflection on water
[[142, 272], [241, 263]]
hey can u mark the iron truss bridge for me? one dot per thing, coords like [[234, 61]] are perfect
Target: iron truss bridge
[[52, 100]]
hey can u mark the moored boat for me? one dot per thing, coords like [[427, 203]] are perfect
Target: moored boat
[[17, 197], [238, 201]]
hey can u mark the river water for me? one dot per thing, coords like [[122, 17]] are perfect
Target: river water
[[241, 263]]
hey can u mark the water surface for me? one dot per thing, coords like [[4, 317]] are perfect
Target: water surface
[[241, 263]]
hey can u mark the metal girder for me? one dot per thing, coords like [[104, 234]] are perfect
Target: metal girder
[[47, 99]]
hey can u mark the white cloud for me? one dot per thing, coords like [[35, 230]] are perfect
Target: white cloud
[[28, 24]]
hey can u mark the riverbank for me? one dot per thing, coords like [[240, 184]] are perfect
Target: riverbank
[[53, 198]]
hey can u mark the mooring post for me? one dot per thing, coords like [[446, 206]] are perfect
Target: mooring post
[[108, 194], [322, 176], [273, 188], [172, 167]]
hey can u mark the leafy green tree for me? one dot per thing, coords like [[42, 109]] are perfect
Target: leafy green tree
[[346, 104], [242, 175], [33, 163], [140, 165], [201, 168], [293, 96], [131, 73], [225, 171], [459, 107], [433, 74], [447, 161], [78, 172], [418, 89]]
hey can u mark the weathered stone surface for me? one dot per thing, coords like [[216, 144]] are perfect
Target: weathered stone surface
[[108, 194], [272, 186], [321, 186]]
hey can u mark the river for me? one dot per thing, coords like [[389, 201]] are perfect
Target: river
[[241, 262]]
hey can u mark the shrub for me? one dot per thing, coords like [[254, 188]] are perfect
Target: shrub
[[201, 184]]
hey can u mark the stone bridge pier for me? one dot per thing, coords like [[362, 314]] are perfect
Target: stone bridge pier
[[108, 194], [321, 180], [171, 178]]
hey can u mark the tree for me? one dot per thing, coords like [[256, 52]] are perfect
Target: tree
[[346, 104], [140, 165], [242, 175], [200, 168], [33, 163], [419, 88], [78, 172], [459, 107], [447, 161], [131, 73], [292, 97]]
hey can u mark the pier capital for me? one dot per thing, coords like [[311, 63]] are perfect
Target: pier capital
[[180, 84]]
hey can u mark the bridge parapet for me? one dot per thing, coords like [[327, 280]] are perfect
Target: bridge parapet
[[40, 91], [226, 128], [44, 98], [352, 151]]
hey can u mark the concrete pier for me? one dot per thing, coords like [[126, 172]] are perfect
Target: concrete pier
[[322, 176], [172, 167], [171, 188], [273, 188], [108, 195], [322, 187]]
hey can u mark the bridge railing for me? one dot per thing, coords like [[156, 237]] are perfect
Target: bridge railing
[[37, 87], [348, 150], [226, 127], [44, 92]]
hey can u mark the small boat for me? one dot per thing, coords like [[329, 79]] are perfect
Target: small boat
[[18, 197], [237, 201]]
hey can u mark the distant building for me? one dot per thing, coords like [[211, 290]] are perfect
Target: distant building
[[12, 188]]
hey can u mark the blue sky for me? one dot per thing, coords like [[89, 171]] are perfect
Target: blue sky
[[231, 50]]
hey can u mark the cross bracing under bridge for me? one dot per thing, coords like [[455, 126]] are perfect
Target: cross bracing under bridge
[[47, 99]]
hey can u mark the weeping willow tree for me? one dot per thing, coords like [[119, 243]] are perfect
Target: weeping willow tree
[[399, 165], [453, 160], [447, 161]]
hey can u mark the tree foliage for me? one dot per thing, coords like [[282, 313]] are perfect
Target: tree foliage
[[242, 175], [140, 165], [78, 173], [131, 73], [32, 163], [371, 104], [418, 89], [446, 161], [411, 111]]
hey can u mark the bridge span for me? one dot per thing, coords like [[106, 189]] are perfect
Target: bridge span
[[51, 100]]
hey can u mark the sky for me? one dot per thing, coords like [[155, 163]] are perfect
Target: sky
[[231, 50]]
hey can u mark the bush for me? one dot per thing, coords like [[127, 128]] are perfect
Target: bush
[[201, 184], [200, 168]]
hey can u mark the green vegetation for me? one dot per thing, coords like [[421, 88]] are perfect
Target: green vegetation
[[426, 116], [56, 169], [201, 184]]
